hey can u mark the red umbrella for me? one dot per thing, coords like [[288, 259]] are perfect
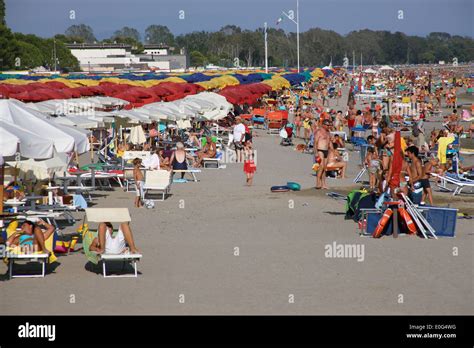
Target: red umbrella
[[397, 162]]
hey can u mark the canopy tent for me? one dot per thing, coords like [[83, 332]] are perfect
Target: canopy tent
[[370, 71], [386, 67]]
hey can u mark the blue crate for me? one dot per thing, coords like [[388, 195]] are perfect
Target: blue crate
[[443, 220]]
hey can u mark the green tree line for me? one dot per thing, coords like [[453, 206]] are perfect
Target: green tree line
[[317, 46]]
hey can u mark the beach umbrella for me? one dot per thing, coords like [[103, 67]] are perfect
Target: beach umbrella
[[65, 139], [15, 139], [137, 135], [42, 169]]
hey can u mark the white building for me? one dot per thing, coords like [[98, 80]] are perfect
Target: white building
[[110, 57]]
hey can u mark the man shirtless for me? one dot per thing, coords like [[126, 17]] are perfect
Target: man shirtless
[[416, 169], [428, 168], [322, 143]]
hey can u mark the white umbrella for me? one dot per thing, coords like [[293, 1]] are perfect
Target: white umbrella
[[137, 135], [29, 119], [15, 139], [42, 169]]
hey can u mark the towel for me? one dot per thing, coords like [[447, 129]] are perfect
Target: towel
[[442, 147], [79, 201]]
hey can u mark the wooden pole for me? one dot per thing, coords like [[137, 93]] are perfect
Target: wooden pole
[[2, 179]]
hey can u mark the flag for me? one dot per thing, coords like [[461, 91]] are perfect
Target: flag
[[279, 20]]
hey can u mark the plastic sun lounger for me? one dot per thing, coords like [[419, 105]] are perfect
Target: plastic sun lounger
[[207, 161], [460, 184], [157, 180], [191, 171], [40, 258], [117, 215]]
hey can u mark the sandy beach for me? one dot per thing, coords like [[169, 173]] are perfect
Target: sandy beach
[[189, 245]]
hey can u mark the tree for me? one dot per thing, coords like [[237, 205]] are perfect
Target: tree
[[127, 32], [44, 51], [30, 56], [2, 12], [159, 34], [9, 49], [137, 46], [82, 31], [197, 59]]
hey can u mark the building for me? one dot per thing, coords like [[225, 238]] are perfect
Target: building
[[112, 57]]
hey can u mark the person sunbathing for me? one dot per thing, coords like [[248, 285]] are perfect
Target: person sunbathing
[[31, 238], [335, 161], [209, 151], [105, 243]]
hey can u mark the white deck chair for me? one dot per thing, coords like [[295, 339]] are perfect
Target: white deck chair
[[458, 183], [157, 180], [116, 215]]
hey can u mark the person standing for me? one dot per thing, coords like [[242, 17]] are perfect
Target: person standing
[[322, 142], [239, 138], [139, 181]]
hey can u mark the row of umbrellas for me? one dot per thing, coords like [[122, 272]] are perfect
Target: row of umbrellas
[[82, 113]]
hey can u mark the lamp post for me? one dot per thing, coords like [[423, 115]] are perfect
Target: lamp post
[[297, 22], [266, 48]]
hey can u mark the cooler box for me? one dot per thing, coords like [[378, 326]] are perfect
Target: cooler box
[[443, 220]]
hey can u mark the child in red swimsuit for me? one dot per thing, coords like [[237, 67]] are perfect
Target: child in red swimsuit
[[250, 168]]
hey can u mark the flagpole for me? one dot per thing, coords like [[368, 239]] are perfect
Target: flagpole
[[266, 49], [297, 22], [298, 32]]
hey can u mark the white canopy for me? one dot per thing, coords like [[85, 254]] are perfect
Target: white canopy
[[65, 139], [370, 71], [386, 67]]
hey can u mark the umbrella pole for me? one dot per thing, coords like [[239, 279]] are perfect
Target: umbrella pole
[[2, 179], [91, 146]]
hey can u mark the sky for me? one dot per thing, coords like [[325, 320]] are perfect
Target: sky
[[420, 17]]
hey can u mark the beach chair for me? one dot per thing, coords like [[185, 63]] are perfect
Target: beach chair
[[274, 122], [157, 180], [112, 215], [14, 254], [210, 163], [455, 180]]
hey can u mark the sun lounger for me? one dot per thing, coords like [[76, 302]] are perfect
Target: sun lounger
[[113, 215], [40, 258], [191, 171], [210, 162], [157, 180], [459, 183]]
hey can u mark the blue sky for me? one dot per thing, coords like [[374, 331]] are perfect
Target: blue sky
[[49, 17]]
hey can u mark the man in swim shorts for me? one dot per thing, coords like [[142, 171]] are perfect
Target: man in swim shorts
[[322, 142]]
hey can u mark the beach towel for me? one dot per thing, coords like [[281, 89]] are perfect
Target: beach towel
[[79, 201], [442, 147]]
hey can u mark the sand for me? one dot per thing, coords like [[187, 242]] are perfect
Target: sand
[[190, 250]]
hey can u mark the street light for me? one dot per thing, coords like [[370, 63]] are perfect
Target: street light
[[297, 22], [266, 49]]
